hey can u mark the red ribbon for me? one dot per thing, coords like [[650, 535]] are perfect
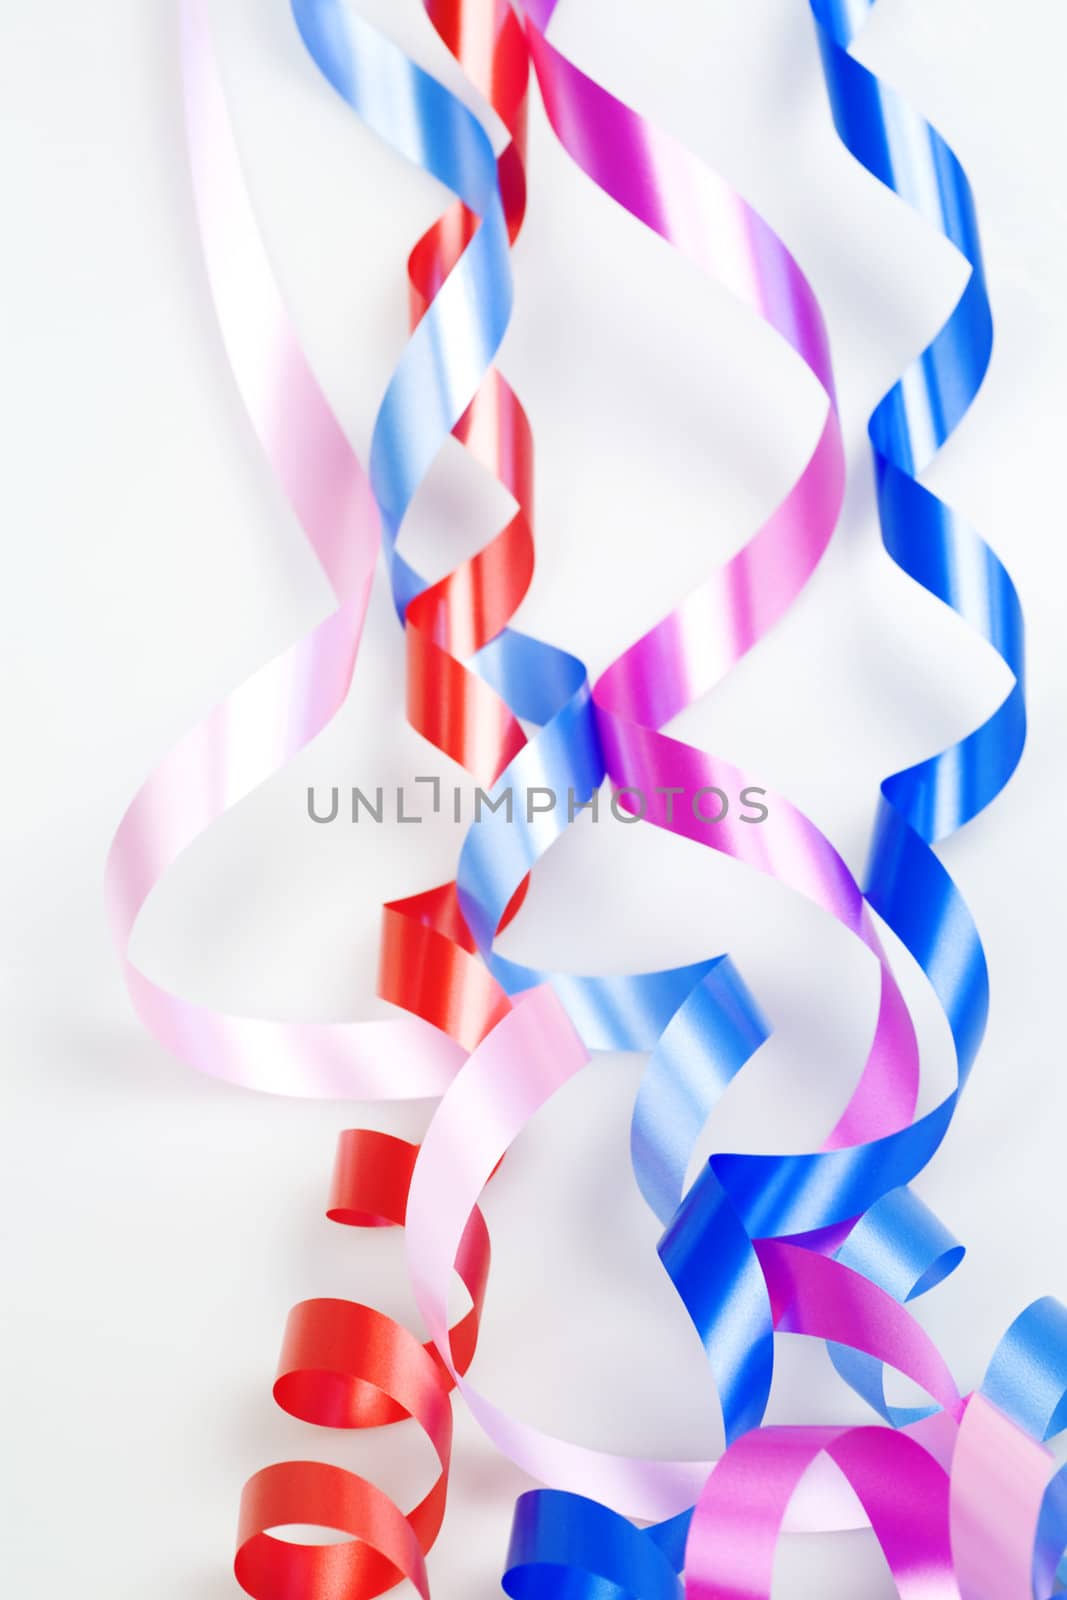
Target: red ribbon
[[346, 1365]]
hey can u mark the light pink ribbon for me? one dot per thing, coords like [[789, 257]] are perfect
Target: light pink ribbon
[[274, 714], [528, 1056]]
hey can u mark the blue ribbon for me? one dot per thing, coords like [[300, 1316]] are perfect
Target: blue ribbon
[[710, 1016], [699, 1020], [907, 885]]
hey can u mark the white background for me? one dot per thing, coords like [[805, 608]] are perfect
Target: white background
[[160, 1225]]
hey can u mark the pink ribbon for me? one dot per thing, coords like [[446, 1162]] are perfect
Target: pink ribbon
[[276, 712]]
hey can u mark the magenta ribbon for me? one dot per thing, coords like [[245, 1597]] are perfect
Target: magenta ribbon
[[928, 1489], [903, 1490], [691, 650], [480, 1115]]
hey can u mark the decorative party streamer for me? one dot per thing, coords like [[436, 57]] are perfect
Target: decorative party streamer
[[427, 954], [688, 652], [335, 1351], [992, 1439], [998, 1499], [346, 1366], [228, 223], [991, 1506], [904, 1490], [613, 117], [259, 727], [934, 546], [994, 1554], [154, 871], [242, 743], [604, 1008], [337, 46], [715, 1029], [924, 1248], [461, 298], [639, 758], [479, 1116], [458, 1016], [630, 1012], [277, 711], [667, 189], [339, 66], [450, 349], [354, 64], [915, 1239]]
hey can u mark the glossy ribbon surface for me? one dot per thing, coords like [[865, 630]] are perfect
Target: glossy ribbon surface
[[259, 727], [345, 1365], [681, 658], [937, 548], [963, 1498]]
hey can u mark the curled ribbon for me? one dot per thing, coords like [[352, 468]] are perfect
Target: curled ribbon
[[347, 1366], [445, 384], [805, 524], [993, 1554], [972, 1516], [479, 1116], [699, 1018], [936, 548], [456, 334], [664, 187], [566, 1534], [915, 1249], [893, 1025], [262, 724], [252, 734], [141, 818], [336, 1353], [343, 49]]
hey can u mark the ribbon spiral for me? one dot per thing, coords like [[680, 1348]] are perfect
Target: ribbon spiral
[[929, 541], [262, 724], [750, 1248], [929, 800], [739, 1198], [347, 1366], [793, 540]]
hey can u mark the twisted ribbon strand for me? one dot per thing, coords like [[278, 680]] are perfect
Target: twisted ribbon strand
[[935, 547], [261, 725], [466, 615], [347, 1366]]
